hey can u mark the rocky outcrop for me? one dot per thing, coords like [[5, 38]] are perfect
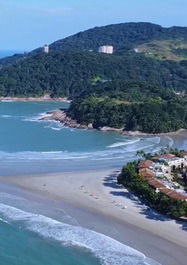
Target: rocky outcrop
[[110, 129], [61, 116]]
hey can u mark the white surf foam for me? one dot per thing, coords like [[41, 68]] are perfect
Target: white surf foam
[[5, 116], [38, 117], [119, 144], [156, 140], [3, 221], [114, 153], [110, 251], [119, 150], [140, 148], [56, 128], [171, 141]]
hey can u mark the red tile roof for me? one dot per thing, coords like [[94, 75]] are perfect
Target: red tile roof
[[167, 156], [173, 194], [146, 173], [156, 184], [146, 164], [149, 176]]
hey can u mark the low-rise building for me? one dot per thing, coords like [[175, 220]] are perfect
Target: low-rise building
[[146, 164], [173, 161], [146, 173], [163, 168], [108, 49]]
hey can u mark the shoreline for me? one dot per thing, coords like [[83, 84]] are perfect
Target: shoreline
[[100, 202], [33, 99], [62, 117]]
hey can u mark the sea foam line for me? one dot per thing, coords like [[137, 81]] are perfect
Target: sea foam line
[[5, 116], [108, 250], [65, 155], [119, 144]]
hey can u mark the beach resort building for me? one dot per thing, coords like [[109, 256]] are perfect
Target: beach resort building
[[155, 173], [172, 161]]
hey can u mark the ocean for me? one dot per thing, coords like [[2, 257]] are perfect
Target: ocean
[[30, 146], [28, 234], [8, 53]]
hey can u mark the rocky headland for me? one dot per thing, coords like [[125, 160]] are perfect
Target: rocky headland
[[62, 117]]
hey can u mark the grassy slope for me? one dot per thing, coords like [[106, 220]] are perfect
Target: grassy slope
[[174, 50]]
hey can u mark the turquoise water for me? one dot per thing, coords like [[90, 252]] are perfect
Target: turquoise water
[[19, 133], [28, 146], [31, 238], [20, 247]]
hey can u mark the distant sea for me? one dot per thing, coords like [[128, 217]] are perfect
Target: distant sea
[[8, 53]]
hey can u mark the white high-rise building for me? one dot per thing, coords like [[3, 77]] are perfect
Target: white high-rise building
[[106, 49], [46, 48]]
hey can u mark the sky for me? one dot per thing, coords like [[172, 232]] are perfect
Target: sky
[[28, 24]]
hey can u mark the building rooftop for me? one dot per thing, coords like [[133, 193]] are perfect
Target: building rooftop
[[156, 184], [146, 164], [167, 156], [146, 173], [173, 194], [149, 176]]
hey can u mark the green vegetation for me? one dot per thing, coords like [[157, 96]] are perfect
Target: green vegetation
[[180, 176], [130, 179], [76, 74], [126, 90], [174, 50], [122, 36], [150, 116]]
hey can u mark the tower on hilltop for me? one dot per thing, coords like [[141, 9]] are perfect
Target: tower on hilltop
[[46, 48]]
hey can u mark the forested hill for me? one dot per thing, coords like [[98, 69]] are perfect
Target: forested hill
[[144, 75], [74, 74], [120, 36], [72, 70]]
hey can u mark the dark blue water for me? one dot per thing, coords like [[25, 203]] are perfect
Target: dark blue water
[[9, 53]]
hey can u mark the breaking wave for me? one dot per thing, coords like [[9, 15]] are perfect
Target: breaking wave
[[37, 118], [108, 250], [119, 150], [119, 144], [5, 116]]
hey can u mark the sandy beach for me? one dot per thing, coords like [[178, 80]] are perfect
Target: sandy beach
[[107, 208], [34, 99]]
